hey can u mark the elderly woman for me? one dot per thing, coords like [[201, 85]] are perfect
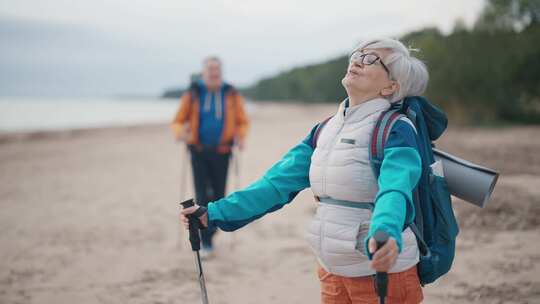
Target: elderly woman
[[337, 168]]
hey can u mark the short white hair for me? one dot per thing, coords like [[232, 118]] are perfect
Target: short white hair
[[410, 73]]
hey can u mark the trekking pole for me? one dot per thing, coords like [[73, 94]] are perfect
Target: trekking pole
[[381, 278], [183, 173], [195, 240], [184, 159], [236, 171]]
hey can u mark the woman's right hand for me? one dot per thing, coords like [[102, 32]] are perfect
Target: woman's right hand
[[187, 211]]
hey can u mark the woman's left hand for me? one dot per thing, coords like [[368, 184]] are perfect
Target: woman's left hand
[[384, 257]]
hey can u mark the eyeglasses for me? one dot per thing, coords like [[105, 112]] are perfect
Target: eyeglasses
[[368, 59]]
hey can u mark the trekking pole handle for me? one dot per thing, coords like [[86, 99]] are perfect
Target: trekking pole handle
[[381, 278], [194, 225], [381, 238]]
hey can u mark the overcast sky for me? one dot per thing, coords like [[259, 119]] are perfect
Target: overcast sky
[[136, 47]]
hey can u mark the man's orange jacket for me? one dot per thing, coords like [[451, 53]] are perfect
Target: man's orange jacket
[[235, 122]]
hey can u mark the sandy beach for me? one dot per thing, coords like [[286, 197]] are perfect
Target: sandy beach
[[90, 216]]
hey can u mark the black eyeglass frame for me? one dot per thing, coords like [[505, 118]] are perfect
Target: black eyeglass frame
[[362, 57]]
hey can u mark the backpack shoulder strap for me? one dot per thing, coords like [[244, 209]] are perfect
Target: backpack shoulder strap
[[380, 135], [318, 130], [194, 91], [422, 246]]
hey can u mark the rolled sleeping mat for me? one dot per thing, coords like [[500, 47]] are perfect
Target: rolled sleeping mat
[[467, 181]]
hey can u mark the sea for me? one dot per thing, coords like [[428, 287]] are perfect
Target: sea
[[27, 114]]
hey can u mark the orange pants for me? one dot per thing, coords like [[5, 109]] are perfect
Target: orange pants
[[403, 287]]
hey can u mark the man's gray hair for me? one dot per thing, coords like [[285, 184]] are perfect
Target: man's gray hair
[[410, 73], [211, 58]]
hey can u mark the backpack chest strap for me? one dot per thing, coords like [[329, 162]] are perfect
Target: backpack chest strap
[[349, 204]]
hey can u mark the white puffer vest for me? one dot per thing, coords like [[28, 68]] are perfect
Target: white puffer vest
[[340, 170]]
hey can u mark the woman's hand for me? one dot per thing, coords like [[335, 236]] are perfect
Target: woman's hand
[[384, 257], [187, 211]]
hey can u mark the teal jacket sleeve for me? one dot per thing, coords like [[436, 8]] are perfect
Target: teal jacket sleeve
[[279, 186], [399, 174]]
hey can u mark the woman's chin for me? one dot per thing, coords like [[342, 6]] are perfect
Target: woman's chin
[[348, 81]]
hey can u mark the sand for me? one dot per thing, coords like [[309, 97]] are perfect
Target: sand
[[90, 216]]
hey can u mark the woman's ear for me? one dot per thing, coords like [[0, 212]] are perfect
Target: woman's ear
[[390, 89]]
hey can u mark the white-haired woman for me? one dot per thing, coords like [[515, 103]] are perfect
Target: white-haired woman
[[337, 168]]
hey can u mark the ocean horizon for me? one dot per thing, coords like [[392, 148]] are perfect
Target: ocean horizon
[[31, 114]]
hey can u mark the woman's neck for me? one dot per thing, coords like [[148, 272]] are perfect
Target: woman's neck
[[356, 99]]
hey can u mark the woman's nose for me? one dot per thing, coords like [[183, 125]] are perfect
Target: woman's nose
[[358, 64]]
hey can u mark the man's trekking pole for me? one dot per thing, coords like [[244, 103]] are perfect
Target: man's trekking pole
[[381, 278], [184, 163], [236, 171], [195, 240], [184, 172]]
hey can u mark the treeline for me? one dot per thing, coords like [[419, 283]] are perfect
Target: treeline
[[490, 73]]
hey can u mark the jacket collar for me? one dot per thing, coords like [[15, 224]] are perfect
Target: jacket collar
[[361, 111]]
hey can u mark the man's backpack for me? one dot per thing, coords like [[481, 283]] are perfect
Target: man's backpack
[[435, 225]]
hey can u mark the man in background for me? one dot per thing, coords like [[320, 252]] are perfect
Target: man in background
[[211, 119]]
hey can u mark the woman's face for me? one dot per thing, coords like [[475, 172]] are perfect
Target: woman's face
[[368, 79]]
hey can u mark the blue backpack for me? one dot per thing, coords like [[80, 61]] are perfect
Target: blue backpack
[[435, 225]]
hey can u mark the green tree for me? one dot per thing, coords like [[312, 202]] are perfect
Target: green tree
[[487, 74], [509, 14]]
